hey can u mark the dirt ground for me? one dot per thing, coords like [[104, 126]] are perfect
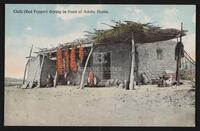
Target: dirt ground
[[147, 105]]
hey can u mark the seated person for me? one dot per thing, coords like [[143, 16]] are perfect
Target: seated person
[[90, 80], [49, 81], [144, 78]]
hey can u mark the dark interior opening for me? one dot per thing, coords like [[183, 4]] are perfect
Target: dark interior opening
[[106, 66]]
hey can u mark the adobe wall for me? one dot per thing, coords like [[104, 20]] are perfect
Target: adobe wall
[[148, 61], [120, 59], [120, 62]]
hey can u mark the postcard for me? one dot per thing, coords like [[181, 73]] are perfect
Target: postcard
[[100, 65]]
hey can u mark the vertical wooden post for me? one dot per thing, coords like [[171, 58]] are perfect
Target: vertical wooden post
[[55, 79], [178, 61], [41, 66], [181, 30], [131, 85], [27, 64], [25, 71], [86, 63], [136, 63], [177, 70]]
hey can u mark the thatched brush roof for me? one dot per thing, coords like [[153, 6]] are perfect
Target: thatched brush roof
[[122, 32], [143, 33]]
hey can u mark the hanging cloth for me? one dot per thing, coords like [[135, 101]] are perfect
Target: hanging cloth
[[179, 51]]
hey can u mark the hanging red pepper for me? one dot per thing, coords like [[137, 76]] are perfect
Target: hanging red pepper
[[81, 54], [73, 64], [59, 62], [67, 60]]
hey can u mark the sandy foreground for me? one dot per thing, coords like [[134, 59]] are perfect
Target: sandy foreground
[[68, 106]]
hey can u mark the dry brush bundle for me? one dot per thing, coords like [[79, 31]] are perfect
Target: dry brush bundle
[[143, 33]]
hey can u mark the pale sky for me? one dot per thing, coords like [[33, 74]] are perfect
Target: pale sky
[[47, 30]]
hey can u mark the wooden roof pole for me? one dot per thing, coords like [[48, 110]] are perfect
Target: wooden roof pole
[[84, 70], [36, 70], [178, 61], [55, 79], [27, 64], [41, 66], [187, 56], [132, 83], [181, 31]]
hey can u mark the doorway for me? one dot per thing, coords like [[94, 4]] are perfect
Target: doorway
[[106, 66]]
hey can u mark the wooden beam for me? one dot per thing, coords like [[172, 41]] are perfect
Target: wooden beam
[[55, 79], [41, 66], [136, 63], [25, 71], [132, 84], [191, 60], [177, 70], [178, 61], [28, 57], [83, 74], [35, 73], [181, 30], [27, 64], [65, 45]]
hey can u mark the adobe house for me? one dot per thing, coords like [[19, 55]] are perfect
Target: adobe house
[[122, 52]]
